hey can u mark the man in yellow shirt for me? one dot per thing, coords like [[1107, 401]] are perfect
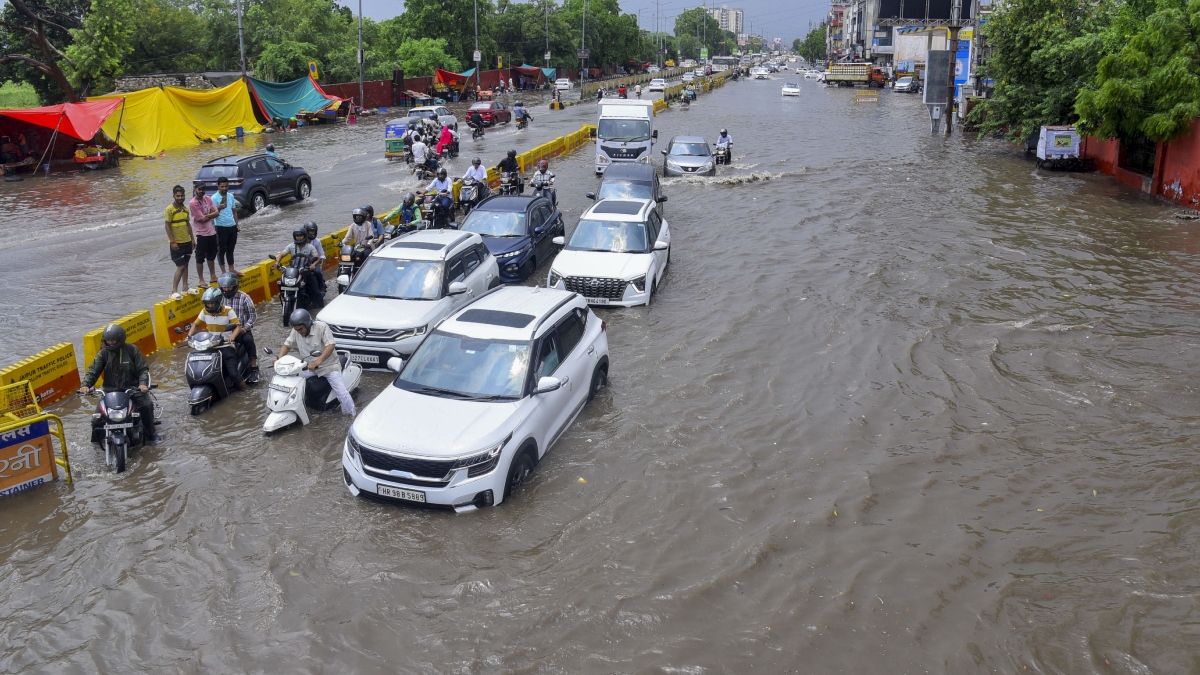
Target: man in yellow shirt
[[217, 317], [179, 233]]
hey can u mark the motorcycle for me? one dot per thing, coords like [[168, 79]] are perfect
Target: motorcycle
[[293, 291], [523, 122], [471, 193], [477, 132], [117, 426], [205, 372], [433, 213], [508, 183], [723, 155], [543, 187], [350, 261], [291, 395], [423, 172]]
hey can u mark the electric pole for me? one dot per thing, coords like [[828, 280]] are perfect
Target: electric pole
[[547, 33], [361, 100], [583, 51], [477, 55], [241, 39], [952, 44]]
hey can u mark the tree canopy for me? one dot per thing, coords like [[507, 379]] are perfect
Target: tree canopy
[[812, 47]]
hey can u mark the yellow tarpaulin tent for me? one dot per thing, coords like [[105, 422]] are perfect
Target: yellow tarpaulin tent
[[157, 119]]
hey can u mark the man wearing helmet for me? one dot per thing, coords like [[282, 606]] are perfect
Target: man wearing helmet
[[301, 246], [123, 367], [310, 336], [444, 200], [479, 175], [725, 145], [520, 113], [311, 228], [360, 232], [242, 305], [410, 212], [510, 165], [546, 178], [218, 318], [376, 224]]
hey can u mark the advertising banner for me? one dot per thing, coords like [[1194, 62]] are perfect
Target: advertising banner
[[53, 373], [26, 458], [172, 314]]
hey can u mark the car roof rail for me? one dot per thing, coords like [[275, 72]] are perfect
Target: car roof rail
[[552, 312]]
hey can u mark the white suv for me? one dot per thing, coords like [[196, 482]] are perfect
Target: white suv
[[480, 402], [617, 254], [404, 288]]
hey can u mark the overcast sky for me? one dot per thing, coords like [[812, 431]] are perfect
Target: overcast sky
[[771, 18]]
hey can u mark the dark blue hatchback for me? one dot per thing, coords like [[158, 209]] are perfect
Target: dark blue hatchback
[[518, 231]]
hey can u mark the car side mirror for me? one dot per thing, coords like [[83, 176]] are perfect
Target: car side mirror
[[268, 350], [664, 152], [315, 353], [661, 199], [395, 363], [456, 288], [590, 195], [548, 384], [344, 279], [539, 229], [660, 246], [654, 135], [559, 241]]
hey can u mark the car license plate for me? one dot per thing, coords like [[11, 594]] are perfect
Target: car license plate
[[126, 425], [397, 493], [597, 301], [366, 358]]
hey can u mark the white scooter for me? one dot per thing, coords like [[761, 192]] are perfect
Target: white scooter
[[290, 394]]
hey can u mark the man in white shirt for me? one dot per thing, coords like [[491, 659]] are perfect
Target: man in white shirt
[[422, 155], [445, 198]]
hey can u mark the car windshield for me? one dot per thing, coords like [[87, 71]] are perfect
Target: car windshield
[[624, 130], [218, 170], [398, 279], [455, 366], [904, 80], [792, 85], [609, 236], [481, 106], [689, 150], [495, 224], [625, 191]]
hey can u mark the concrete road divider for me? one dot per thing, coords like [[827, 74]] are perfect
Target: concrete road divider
[[53, 373], [172, 314], [139, 331], [253, 283]]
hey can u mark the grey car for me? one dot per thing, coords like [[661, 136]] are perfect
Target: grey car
[[907, 84], [688, 155]]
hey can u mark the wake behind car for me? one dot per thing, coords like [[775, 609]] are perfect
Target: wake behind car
[[255, 180], [617, 254], [481, 401], [518, 230], [404, 289]]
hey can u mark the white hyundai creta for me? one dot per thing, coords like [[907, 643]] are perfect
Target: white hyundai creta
[[617, 254], [480, 401], [404, 288]]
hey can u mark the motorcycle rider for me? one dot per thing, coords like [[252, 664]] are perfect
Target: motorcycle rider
[[422, 155], [510, 165], [308, 336], [622, 92], [475, 120], [376, 224], [480, 175], [410, 212], [638, 90], [547, 178], [600, 94], [445, 194], [520, 113], [360, 232], [445, 140], [123, 367], [301, 246], [725, 142], [217, 318], [242, 306], [311, 228]]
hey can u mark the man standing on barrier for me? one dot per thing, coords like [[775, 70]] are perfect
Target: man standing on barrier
[[179, 234], [123, 367]]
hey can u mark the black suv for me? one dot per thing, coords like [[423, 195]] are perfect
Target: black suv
[[636, 180], [255, 180]]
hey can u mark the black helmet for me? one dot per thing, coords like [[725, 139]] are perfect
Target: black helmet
[[512, 154], [311, 228], [301, 317], [115, 333], [409, 198], [370, 210], [724, 132], [300, 236], [518, 103], [270, 147], [476, 161], [442, 173], [356, 213], [213, 300], [228, 283]]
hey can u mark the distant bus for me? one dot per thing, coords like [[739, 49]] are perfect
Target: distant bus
[[722, 62]]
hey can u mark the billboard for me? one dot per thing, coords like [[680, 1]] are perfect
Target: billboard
[[741, 39], [937, 77], [923, 10]]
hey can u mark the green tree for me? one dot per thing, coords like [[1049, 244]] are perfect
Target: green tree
[[421, 57], [1045, 51], [32, 43], [703, 28], [454, 22], [101, 45], [166, 38], [1151, 85], [285, 60], [812, 47]]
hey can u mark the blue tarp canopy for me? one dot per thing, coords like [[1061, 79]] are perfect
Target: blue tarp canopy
[[287, 99], [468, 73]]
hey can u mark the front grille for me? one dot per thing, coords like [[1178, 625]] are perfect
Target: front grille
[[431, 468], [404, 481], [596, 287], [367, 334], [622, 153]]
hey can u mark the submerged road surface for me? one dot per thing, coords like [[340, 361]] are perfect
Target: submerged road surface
[[904, 405]]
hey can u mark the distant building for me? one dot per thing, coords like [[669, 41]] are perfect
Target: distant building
[[835, 36], [732, 20]]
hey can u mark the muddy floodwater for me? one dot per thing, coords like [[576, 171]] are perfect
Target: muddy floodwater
[[904, 404]]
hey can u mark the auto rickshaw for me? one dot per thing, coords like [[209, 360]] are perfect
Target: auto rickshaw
[[393, 136]]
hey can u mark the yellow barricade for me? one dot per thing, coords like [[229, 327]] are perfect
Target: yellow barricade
[[139, 331], [254, 284], [26, 448], [52, 373], [171, 314]]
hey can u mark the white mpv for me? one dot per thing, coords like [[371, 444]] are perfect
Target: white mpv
[[404, 288], [480, 401], [617, 254]]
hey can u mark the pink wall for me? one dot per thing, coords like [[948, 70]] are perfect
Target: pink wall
[[1177, 172]]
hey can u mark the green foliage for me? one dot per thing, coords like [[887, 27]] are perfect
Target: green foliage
[[67, 14], [418, 58], [454, 22], [812, 47], [166, 38], [285, 60], [1151, 85], [101, 45], [1045, 51], [18, 95], [704, 31]]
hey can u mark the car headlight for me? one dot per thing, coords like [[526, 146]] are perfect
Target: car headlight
[[707, 166], [412, 332], [603, 159], [673, 165], [639, 283], [512, 254], [118, 415], [553, 280], [482, 461], [353, 447]]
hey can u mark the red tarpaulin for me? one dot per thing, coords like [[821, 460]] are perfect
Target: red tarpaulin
[[81, 120], [528, 72], [451, 79]]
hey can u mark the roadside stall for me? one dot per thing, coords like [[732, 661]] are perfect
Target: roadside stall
[[80, 121]]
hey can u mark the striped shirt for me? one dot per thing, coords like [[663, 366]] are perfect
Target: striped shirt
[[243, 307], [217, 323]]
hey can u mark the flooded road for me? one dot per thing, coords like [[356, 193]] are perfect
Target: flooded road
[[904, 404]]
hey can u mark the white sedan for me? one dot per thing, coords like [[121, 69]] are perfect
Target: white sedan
[[814, 75], [791, 89], [657, 84], [563, 84]]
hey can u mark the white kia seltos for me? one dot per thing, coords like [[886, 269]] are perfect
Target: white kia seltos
[[481, 400], [617, 254]]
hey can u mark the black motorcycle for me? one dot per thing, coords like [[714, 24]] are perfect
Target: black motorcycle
[[723, 155], [522, 123], [508, 183], [294, 291], [117, 426], [351, 260], [435, 215], [423, 172], [543, 187], [205, 370], [477, 132]]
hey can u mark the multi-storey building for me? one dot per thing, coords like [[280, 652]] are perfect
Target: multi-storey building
[[732, 20]]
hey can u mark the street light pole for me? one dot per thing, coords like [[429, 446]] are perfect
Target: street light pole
[[361, 96], [583, 50], [478, 81], [241, 39]]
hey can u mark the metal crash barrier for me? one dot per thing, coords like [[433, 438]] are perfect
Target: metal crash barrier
[[27, 457]]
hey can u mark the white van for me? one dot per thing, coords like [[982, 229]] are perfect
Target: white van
[[625, 132]]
